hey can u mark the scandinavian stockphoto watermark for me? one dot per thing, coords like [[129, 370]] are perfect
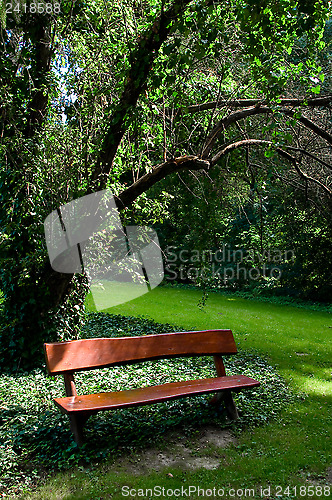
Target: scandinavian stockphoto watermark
[[87, 236], [225, 263]]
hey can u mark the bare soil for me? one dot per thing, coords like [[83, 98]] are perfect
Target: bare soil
[[203, 451]]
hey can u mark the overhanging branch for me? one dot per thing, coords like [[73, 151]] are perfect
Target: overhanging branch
[[238, 144], [234, 117], [126, 197], [225, 122], [304, 176], [309, 124], [158, 173], [241, 103], [280, 151]]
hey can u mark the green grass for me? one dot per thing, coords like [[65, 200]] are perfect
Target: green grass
[[109, 294], [281, 332], [293, 449]]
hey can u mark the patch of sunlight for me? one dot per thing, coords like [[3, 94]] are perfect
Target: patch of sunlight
[[311, 384], [108, 294], [317, 387]]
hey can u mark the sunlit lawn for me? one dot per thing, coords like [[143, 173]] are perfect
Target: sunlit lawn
[[298, 341]]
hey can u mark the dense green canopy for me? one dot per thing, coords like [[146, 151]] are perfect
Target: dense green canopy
[[199, 109]]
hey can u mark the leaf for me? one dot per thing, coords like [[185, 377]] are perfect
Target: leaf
[[269, 153], [315, 90]]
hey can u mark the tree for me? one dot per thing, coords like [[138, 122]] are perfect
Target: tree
[[87, 89]]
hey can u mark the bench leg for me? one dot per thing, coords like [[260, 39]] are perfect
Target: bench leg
[[230, 406], [226, 398], [76, 425]]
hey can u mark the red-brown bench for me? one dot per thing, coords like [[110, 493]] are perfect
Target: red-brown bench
[[66, 358]]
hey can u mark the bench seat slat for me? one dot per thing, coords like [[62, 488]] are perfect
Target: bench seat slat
[[151, 394]]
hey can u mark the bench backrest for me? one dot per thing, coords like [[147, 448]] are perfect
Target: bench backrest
[[76, 355]]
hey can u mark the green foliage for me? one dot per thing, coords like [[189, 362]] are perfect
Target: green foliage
[[35, 438], [68, 90], [250, 223], [271, 30], [257, 294], [110, 325]]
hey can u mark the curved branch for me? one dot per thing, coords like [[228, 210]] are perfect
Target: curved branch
[[126, 197], [240, 103], [281, 152], [309, 124], [232, 118], [258, 142], [314, 157], [158, 173], [224, 123], [300, 172], [236, 145]]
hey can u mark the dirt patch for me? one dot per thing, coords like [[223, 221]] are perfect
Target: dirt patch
[[216, 437], [329, 475], [199, 452]]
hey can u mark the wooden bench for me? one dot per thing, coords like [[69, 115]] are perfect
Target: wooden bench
[[66, 358]]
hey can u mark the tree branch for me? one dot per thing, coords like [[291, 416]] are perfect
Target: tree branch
[[244, 113], [240, 103], [142, 59], [127, 196], [38, 104], [301, 173], [281, 152], [314, 157], [226, 122], [236, 145], [309, 124]]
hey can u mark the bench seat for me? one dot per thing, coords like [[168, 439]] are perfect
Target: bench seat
[[152, 394]]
